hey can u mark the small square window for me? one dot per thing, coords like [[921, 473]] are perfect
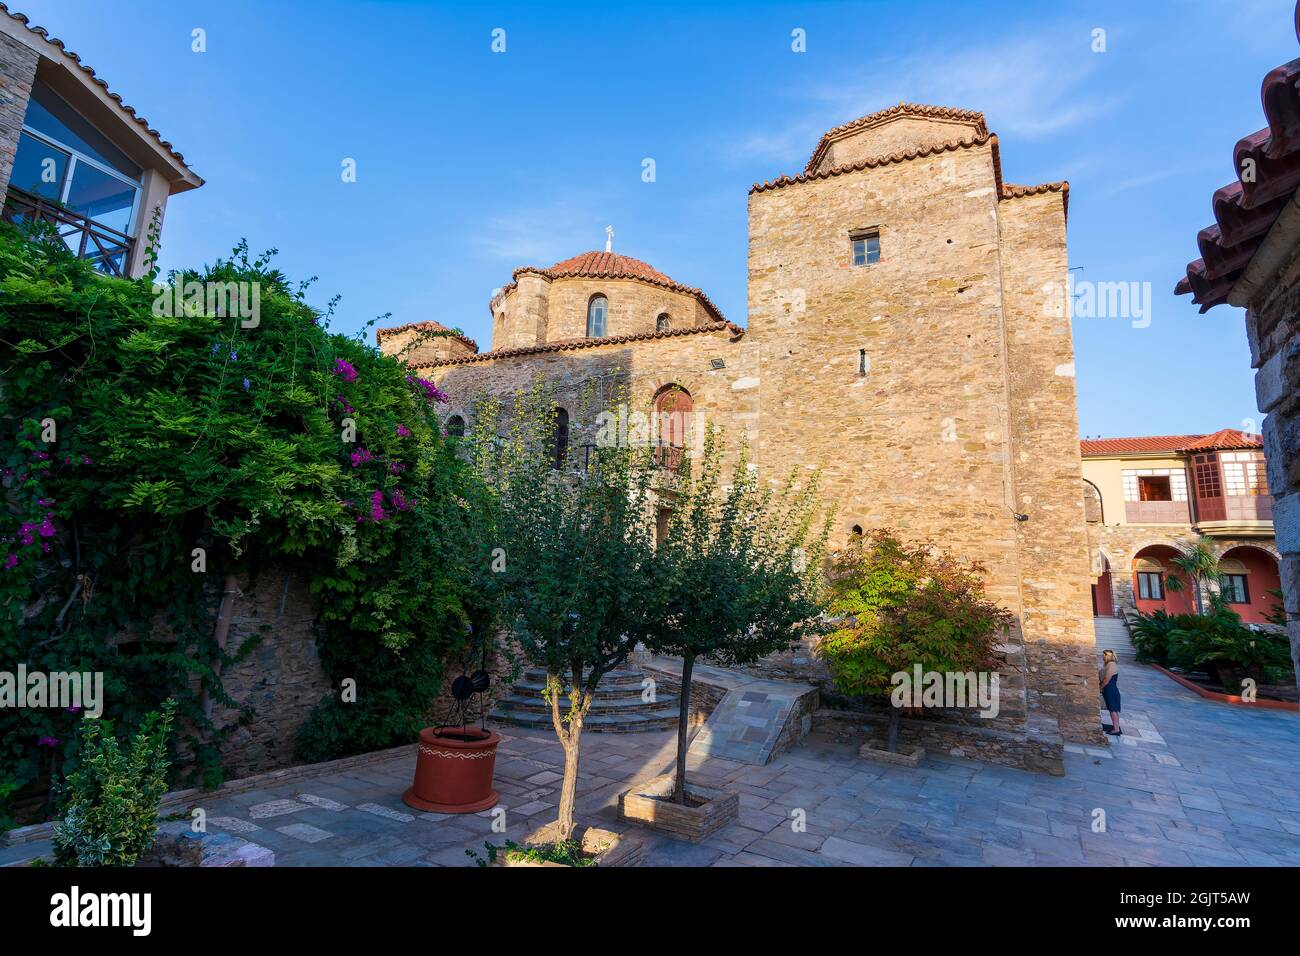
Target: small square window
[[866, 247]]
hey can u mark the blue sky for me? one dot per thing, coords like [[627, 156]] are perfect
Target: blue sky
[[470, 163]]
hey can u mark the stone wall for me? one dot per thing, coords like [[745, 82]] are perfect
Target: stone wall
[[281, 679], [1273, 330], [17, 71]]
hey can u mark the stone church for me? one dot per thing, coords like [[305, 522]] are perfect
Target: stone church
[[908, 334]]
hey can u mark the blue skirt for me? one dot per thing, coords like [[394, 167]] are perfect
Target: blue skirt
[[1110, 694]]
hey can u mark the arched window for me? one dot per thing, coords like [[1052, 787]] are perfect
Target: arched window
[[597, 316], [674, 409], [561, 445], [456, 426], [661, 323]]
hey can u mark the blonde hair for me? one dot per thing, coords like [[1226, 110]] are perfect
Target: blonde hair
[[1108, 655]]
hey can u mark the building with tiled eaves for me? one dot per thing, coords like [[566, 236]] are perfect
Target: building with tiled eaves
[[1250, 257], [908, 335], [1151, 499]]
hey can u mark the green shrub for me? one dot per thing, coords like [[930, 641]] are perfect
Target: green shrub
[[111, 813], [1151, 634], [1225, 648]]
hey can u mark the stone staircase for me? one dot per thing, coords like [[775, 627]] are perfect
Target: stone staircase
[[616, 708]]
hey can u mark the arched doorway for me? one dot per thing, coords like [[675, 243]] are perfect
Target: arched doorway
[[1152, 569], [1246, 576], [1103, 602]]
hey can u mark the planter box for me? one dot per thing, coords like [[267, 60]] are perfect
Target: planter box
[[706, 810], [607, 847], [870, 751]]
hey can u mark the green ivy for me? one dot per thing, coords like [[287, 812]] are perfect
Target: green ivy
[[183, 429]]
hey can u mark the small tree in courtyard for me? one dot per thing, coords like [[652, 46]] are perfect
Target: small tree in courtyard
[[743, 565], [577, 554], [1200, 567], [900, 605]]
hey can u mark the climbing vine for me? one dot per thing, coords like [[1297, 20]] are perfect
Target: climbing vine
[[155, 440]]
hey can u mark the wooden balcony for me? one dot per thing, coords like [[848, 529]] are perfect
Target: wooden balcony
[[1157, 512], [104, 247], [1237, 515]]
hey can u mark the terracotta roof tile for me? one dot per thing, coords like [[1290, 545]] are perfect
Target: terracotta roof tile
[[902, 109], [429, 325], [609, 265], [1267, 166], [1154, 444], [128, 110], [1225, 440], [570, 345]]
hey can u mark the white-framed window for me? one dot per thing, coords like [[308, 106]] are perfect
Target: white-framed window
[[1243, 473], [62, 157], [865, 245], [1234, 589], [1155, 484]]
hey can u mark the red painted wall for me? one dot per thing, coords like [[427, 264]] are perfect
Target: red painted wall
[[1263, 577]]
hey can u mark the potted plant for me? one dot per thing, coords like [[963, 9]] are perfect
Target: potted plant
[[742, 566], [901, 607]]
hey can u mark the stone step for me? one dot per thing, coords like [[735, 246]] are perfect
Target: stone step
[[600, 705], [662, 719], [615, 678], [604, 691]]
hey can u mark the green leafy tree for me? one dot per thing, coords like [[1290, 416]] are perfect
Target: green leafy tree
[[898, 605], [743, 565], [111, 813], [581, 587]]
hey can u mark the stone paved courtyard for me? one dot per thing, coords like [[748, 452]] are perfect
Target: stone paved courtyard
[[1192, 782]]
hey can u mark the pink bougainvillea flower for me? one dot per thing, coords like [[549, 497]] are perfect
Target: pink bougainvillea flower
[[48, 742], [432, 393], [377, 512], [344, 404], [11, 562], [360, 457], [345, 370], [403, 431], [396, 468]]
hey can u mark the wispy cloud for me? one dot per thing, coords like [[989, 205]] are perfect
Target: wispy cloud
[[541, 234], [1027, 86]]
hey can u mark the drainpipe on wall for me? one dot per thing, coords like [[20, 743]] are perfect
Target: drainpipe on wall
[[224, 616]]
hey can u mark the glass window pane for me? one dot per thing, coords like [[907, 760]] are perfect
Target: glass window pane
[[39, 168], [873, 249], [101, 197], [47, 113]]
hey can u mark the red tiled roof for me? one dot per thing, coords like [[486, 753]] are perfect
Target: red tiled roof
[[1267, 164], [1154, 444], [429, 325], [1225, 440], [570, 345], [980, 137], [130, 111], [902, 109], [610, 265]]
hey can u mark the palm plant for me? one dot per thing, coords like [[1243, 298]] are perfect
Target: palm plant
[[1200, 566]]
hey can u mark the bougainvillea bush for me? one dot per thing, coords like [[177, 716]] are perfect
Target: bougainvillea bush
[[150, 451]]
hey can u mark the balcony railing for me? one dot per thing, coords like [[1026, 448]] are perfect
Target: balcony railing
[[104, 247], [1156, 512], [1235, 508], [666, 456]]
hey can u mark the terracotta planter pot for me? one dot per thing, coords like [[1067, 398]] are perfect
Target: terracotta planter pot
[[453, 770]]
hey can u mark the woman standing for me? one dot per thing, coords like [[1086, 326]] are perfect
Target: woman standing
[[1108, 679]]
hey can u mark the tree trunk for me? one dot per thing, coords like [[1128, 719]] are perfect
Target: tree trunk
[[895, 721], [570, 739], [683, 715]]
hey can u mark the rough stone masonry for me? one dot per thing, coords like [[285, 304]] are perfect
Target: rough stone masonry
[[933, 388]]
